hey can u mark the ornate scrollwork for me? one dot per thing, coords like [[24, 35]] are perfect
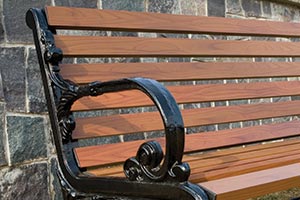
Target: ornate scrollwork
[[146, 166], [147, 160], [65, 92], [52, 54], [150, 154], [68, 92]]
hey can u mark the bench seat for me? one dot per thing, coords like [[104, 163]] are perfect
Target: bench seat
[[160, 106], [224, 163]]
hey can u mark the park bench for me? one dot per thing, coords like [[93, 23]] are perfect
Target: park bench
[[230, 132]]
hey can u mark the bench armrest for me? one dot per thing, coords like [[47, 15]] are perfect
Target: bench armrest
[[149, 156], [146, 165]]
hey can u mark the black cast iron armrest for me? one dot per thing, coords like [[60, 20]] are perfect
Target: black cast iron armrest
[[146, 167], [150, 155]]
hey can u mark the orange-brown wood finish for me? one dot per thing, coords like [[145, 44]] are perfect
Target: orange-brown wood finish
[[94, 46], [193, 94], [102, 155], [178, 71], [256, 183], [232, 162], [81, 18], [151, 121]]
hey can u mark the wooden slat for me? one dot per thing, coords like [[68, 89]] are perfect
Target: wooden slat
[[102, 155], [178, 71], [132, 123], [221, 162], [256, 183], [264, 163], [94, 46], [192, 94], [81, 18]]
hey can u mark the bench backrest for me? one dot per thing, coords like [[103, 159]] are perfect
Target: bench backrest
[[217, 70]]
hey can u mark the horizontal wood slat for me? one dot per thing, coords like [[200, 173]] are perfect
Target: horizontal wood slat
[[220, 161], [192, 94], [178, 71], [229, 162], [101, 155], [94, 46], [82, 18], [132, 123], [258, 183], [206, 159]]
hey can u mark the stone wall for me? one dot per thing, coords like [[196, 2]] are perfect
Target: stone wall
[[27, 156]]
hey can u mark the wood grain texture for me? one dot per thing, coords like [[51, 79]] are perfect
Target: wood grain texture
[[221, 161], [94, 46], [240, 164], [82, 18], [151, 121], [178, 71], [192, 94], [102, 155], [229, 162], [256, 183]]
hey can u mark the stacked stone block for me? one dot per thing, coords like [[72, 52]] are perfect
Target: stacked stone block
[[27, 155]]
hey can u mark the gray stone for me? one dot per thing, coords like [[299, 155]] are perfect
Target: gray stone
[[266, 121], [134, 136], [124, 60], [266, 8], [1, 88], [26, 182], [236, 125], [54, 180], [164, 6], [13, 77], [96, 113], [220, 103], [216, 8], [201, 7], [124, 34], [14, 19], [92, 60], [77, 3], [35, 90], [137, 5], [99, 141], [234, 7], [289, 14], [26, 138], [201, 129], [3, 160], [252, 8], [223, 126], [238, 102], [284, 13], [154, 134], [188, 7], [251, 123], [1, 24], [131, 110]]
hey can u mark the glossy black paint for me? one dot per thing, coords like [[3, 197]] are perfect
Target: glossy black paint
[[154, 180]]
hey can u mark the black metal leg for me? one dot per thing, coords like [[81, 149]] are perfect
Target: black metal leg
[[67, 195]]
